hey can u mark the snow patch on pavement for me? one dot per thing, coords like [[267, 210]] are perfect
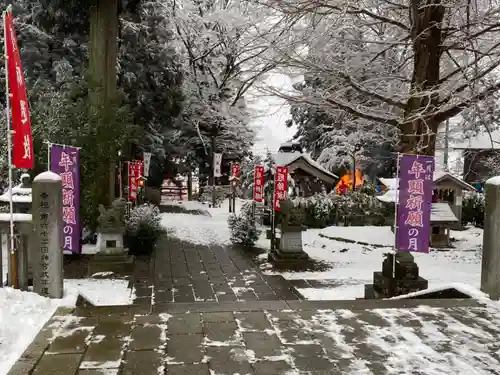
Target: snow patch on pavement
[[22, 315], [102, 292]]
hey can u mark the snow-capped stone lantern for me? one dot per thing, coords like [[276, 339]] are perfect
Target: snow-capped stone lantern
[[111, 228]]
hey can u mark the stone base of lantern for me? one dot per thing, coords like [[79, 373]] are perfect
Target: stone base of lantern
[[110, 243]]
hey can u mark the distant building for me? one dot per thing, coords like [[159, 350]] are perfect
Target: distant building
[[446, 209], [476, 150], [309, 176]]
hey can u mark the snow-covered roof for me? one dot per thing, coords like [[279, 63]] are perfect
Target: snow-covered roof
[[388, 197], [481, 140], [442, 212], [289, 144], [287, 158], [19, 195], [16, 217], [392, 183], [389, 183]]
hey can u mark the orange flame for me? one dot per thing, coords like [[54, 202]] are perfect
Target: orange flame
[[347, 180]]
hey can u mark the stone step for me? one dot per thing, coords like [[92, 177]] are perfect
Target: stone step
[[122, 267], [316, 283]]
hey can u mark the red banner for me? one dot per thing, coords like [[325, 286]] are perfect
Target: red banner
[[235, 170], [22, 141], [258, 183], [139, 167], [280, 186], [133, 173]]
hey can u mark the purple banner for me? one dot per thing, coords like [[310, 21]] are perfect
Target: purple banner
[[65, 161], [413, 221]]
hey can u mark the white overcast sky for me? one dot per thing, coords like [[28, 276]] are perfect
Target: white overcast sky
[[270, 116]]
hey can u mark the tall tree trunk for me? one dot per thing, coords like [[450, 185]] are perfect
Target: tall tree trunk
[[418, 131], [103, 49]]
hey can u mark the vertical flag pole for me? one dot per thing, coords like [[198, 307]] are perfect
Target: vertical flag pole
[[396, 203], [49, 146], [13, 262]]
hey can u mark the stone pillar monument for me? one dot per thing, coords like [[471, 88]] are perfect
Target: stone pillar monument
[[47, 251], [490, 270]]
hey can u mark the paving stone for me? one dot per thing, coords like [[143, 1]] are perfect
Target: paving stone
[[220, 331], [58, 364], [108, 371], [218, 317], [74, 343], [272, 368], [145, 337], [182, 281], [263, 344], [185, 324], [183, 293], [109, 351], [228, 360], [267, 297], [114, 326], [307, 314], [185, 348], [22, 367], [148, 319], [283, 315], [204, 294], [247, 295], [219, 281], [261, 288], [142, 301], [143, 292], [165, 296], [311, 358], [144, 362], [253, 320], [198, 369], [292, 332], [228, 297]]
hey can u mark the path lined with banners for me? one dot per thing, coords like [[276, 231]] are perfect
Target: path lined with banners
[[204, 310]]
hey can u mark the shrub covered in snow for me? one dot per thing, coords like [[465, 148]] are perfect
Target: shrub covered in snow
[[143, 228], [473, 210], [242, 227], [352, 208]]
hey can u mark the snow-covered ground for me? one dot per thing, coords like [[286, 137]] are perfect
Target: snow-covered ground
[[200, 229], [351, 265], [23, 314]]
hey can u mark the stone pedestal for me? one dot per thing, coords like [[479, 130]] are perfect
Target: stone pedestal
[[490, 269], [405, 280], [48, 235], [110, 243], [289, 249]]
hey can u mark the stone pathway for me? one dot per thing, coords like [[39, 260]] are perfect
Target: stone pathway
[[271, 338], [184, 272], [207, 310]]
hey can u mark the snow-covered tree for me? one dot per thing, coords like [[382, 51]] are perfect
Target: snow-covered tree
[[412, 64], [224, 56], [336, 136], [243, 227]]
